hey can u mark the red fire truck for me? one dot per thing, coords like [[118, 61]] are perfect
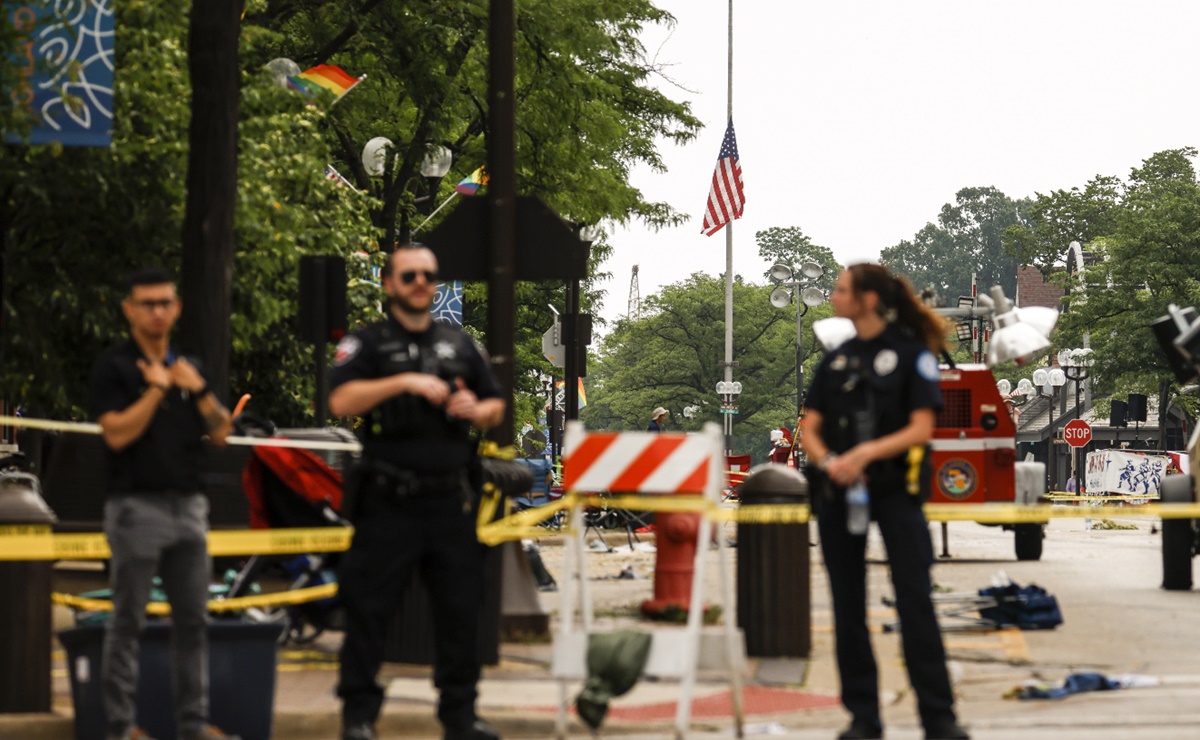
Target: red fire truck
[[974, 453]]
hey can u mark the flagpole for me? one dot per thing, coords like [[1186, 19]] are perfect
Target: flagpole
[[445, 203], [729, 264]]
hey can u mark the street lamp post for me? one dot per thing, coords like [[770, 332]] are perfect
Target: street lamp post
[[808, 297], [1053, 378], [1075, 364], [729, 390]]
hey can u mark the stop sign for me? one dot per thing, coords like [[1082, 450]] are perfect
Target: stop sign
[[1077, 433]]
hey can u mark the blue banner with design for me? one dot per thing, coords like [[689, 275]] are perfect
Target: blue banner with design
[[65, 56], [447, 304]]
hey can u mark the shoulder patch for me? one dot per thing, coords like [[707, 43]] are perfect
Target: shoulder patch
[[927, 366], [347, 349]]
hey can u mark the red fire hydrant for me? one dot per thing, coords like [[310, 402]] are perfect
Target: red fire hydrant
[[674, 562]]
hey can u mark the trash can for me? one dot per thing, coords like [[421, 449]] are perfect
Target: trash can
[[25, 608], [773, 584], [241, 678]]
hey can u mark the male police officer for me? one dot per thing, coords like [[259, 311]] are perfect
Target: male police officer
[[420, 385]]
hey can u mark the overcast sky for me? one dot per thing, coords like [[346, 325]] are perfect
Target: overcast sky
[[857, 121]]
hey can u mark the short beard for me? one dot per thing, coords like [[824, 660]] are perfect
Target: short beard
[[405, 306]]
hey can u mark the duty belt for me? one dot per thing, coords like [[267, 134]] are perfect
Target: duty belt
[[400, 484]]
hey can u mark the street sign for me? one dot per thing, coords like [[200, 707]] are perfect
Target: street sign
[[1077, 433], [552, 346]]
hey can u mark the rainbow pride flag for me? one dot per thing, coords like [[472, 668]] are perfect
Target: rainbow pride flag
[[472, 182], [323, 77], [582, 394]]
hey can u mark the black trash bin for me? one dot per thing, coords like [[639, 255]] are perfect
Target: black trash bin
[[25, 620], [241, 679], [774, 600]]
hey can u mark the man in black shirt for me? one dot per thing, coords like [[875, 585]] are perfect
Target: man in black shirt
[[154, 407], [420, 386]]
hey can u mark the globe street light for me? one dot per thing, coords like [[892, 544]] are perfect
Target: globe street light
[[1075, 364], [809, 297], [1043, 379]]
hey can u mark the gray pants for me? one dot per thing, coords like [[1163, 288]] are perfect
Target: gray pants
[[163, 534]]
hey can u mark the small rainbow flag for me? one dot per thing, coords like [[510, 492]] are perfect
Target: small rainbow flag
[[473, 182], [582, 393], [323, 76]]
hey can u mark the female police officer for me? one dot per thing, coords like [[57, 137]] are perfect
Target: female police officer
[[872, 408]]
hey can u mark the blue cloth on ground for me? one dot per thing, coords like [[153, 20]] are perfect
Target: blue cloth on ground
[[1025, 607], [1076, 683]]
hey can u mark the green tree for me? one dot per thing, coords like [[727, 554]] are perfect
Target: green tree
[[1055, 220], [966, 240], [75, 221], [670, 357], [1147, 262]]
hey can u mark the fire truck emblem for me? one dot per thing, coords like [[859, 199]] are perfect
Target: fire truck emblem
[[957, 478]]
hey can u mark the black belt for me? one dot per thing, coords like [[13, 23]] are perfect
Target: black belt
[[400, 484]]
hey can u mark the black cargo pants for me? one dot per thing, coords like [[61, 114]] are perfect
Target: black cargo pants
[[434, 532], [910, 555]]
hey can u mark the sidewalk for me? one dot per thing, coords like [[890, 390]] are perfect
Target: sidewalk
[[797, 698]]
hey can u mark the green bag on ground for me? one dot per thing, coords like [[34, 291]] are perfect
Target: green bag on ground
[[615, 661]]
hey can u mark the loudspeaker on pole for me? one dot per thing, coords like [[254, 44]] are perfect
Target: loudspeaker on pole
[[322, 298], [1137, 407]]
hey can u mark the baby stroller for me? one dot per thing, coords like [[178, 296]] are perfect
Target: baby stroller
[[289, 487]]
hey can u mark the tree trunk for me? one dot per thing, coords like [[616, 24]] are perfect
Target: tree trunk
[[206, 282]]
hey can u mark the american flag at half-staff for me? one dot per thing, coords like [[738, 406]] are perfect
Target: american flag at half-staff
[[725, 199]]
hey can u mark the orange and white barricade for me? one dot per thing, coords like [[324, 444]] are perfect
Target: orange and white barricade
[[689, 467]]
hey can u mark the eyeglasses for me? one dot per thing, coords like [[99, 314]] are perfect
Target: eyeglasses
[[409, 276], [150, 305]]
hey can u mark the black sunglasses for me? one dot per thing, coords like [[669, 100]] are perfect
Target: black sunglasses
[[408, 276]]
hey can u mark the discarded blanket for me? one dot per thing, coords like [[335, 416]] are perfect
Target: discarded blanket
[[615, 661], [1026, 607], [1077, 683]]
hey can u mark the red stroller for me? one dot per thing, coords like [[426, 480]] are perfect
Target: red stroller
[[288, 487]]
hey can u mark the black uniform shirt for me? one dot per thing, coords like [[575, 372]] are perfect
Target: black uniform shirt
[[407, 430], [168, 455], [866, 389]]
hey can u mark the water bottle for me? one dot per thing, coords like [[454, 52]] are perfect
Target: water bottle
[[858, 508]]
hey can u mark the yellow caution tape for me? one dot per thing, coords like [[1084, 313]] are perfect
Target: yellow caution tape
[[489, 448], [1117, 497], [90, 428], [53, 426], [93, 545], [520, 525], [160, 608]]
